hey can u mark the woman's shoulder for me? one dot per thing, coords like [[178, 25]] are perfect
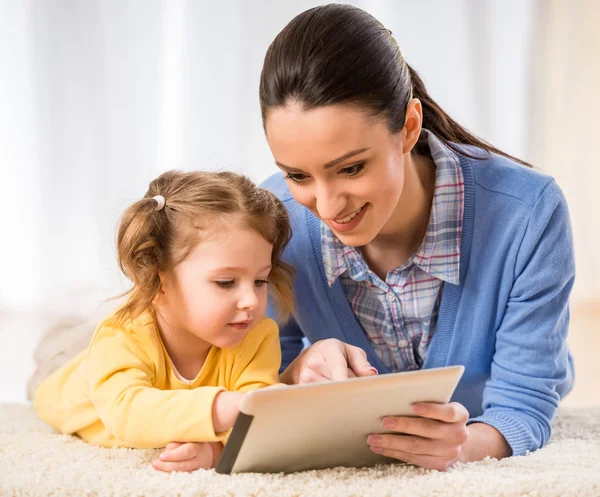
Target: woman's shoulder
[[276, 184], [299, 215], [507, 180]]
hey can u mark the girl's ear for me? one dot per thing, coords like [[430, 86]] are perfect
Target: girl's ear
[[161, 298]]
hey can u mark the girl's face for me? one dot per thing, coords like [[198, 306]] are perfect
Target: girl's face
[[219, 292], [342, 165]]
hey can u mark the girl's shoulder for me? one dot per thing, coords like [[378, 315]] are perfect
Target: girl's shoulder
[[265, 330], [137, 332]]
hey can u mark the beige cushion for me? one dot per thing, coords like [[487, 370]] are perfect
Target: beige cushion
[[65, 338]]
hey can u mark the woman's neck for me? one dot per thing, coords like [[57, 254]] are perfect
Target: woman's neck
[[186, 351], [403, 234]]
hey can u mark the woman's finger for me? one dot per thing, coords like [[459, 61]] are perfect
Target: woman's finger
[[427, 462], [422, 427], [332, 351], [315, 366], [310, 375], [452, 433], [357, 360], [414, 445], [448, 413]]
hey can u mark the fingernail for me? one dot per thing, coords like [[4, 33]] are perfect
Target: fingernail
[[374, 440], [162, 457], [371, 368], [389, 423], [419, 409]]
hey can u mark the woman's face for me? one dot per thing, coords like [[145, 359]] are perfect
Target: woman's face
[[341, 164]]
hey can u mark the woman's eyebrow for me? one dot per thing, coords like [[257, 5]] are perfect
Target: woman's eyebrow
[[330, 163]]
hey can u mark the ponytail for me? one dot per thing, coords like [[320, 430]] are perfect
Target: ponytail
[[138, 254], [445, 128]]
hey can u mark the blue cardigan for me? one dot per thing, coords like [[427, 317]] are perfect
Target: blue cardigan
[[506, 321]]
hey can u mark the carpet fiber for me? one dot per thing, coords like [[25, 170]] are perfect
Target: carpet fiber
[[35, 461]]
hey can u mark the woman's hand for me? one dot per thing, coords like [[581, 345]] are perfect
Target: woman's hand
[[327, 360], [434, 440], [188, 456]]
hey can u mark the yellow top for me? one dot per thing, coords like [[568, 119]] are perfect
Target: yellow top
[[123, 391]]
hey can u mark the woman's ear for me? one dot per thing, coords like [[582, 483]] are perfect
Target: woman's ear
[[412, 125]]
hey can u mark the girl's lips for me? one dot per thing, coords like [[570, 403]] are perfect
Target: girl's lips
[[241, 326], [350, 225]]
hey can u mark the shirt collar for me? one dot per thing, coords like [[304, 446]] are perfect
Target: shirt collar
[[439, 253]]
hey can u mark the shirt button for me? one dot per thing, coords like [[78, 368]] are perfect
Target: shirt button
[[402, 343], [390, 297]]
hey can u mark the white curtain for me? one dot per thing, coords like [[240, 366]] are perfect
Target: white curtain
[[99, 97], [565, 123]]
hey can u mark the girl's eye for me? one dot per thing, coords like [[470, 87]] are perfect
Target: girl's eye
[[353, 170], [260, 283], [225, 283], [296, 177]]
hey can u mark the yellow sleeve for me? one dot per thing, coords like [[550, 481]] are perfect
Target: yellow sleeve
[[259, 362], [120, 377]]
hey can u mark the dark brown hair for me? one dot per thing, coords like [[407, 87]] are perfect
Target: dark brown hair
[[336, 54], [150, 241]]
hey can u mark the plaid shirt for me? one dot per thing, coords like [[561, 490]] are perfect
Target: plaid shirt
[[399, 314]]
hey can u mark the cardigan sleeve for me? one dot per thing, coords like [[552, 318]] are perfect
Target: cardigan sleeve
[[120, 380], [531, 356]]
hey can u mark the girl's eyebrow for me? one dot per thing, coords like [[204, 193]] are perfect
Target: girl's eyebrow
[[236, 268]]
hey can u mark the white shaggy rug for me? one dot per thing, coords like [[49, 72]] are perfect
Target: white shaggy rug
[[35, 461]]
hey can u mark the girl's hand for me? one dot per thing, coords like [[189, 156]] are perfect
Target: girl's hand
[[275, 386], [188, 456], [434, 440]]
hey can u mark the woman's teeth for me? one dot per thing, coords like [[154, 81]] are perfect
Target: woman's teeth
[[350, 217]]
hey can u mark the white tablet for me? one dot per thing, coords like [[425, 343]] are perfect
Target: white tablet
[[324, 425]]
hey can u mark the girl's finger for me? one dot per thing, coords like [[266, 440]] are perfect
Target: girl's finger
[[182, 453], [173, 445], [190, 465]]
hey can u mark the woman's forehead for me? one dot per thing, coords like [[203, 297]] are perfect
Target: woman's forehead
[[297, 136]]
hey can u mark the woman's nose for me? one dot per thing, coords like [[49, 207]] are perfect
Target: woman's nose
[[329, 203]]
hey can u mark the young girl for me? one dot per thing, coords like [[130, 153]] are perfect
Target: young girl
[[171, 366]]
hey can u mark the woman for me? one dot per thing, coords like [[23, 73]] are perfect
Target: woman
[[416, 244]]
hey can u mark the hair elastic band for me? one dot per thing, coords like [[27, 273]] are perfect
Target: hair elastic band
[[160, 202]]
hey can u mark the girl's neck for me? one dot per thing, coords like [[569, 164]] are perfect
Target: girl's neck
[[186, 351], [406, 229]]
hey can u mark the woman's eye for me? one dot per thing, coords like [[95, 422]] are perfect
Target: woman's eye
[[225, 283], [353, 170], [260, 283], [296, 177]]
